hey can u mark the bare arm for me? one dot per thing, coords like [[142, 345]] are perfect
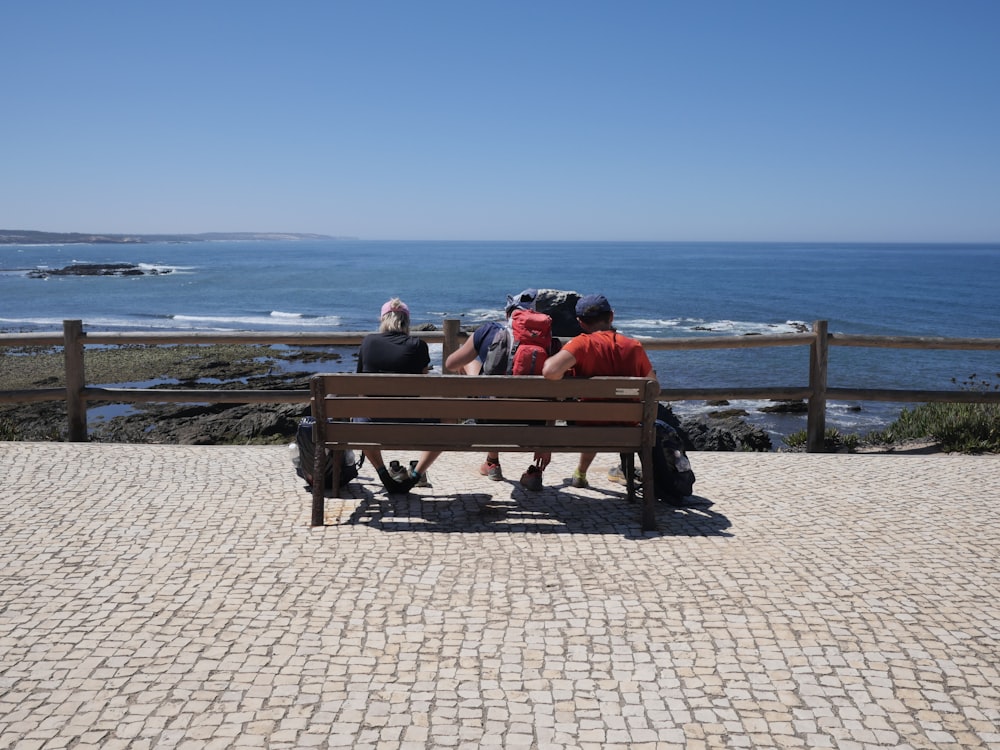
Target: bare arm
[[557, 365], [461, 356]]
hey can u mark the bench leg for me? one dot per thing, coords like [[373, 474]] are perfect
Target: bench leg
[[628, 468], [338, 466], [648, 513], [318, 473]]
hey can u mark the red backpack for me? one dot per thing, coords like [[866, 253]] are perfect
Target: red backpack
[[522, 347]]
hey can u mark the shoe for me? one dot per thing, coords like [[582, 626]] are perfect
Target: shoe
[[492, 470], [616, 475], [579, 480], [397, 471], [419, 480], [532, 479], [395, 486]]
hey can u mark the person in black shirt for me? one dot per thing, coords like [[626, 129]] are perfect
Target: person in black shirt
[[394, 350]]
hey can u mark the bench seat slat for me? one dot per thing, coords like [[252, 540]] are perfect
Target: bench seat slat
[[464, 437], [486, 409], [529, 386]]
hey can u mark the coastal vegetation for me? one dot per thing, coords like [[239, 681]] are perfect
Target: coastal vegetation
[[7, 431], [834, 441], [959, 428], [955, 428]]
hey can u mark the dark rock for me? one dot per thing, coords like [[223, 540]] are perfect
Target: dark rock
[[724, 413], [786, 407], [97, 269], [213, 424], [729, 434], [267, 424], [706, 433]]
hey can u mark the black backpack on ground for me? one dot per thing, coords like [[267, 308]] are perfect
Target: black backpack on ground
[[304, 458], [673, 478]]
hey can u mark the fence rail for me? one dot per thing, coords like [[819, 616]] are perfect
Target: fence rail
[[76, 393]]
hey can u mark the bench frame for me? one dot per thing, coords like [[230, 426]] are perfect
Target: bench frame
[[569, 415]]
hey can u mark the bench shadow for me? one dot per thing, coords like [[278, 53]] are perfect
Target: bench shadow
[[555, 510]]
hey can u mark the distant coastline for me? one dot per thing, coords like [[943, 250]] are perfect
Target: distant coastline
[[31, 237]]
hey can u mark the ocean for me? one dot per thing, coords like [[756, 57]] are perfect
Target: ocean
[[658, 289]]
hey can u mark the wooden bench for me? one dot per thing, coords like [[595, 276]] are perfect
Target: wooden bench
[[454, 400]]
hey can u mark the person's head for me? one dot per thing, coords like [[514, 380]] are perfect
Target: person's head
[[395, 317], [594, 312], [524, 300]]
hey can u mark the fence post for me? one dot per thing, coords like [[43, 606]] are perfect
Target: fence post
[[76, 407], [451, 342], [818, 360]]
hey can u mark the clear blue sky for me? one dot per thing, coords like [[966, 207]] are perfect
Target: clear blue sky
[[798, 120]]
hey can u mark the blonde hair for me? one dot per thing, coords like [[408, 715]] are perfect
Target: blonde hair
[[396, 319]]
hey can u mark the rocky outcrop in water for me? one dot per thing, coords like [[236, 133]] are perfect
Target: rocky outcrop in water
[[711, 432], [98, 269]]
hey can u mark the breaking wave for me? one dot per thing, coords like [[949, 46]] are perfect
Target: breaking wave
[[698, 326], [261, 321], [267, 321]]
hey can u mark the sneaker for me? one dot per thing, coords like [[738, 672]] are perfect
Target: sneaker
[[394, 486], [616, 475], [420, 479], [397, 471], [579, 480], [532, 479], [492, 470]]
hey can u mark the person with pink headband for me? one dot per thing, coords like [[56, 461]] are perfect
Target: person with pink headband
[[397, 305], [394, 350]]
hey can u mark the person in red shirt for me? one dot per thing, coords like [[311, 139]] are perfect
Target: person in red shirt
[[599, 350]]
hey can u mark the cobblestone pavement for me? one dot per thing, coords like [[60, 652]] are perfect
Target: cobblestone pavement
[[176, 597]]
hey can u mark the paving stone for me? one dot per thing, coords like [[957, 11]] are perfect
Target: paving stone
[[176, 596]]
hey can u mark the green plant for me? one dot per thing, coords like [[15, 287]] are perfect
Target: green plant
[[959, 428], [796, 439], [7, 431], [833, 440]]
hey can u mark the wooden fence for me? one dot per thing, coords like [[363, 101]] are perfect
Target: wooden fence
[[815, 392]]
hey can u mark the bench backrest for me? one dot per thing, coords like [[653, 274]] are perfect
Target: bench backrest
[[456, 400]]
